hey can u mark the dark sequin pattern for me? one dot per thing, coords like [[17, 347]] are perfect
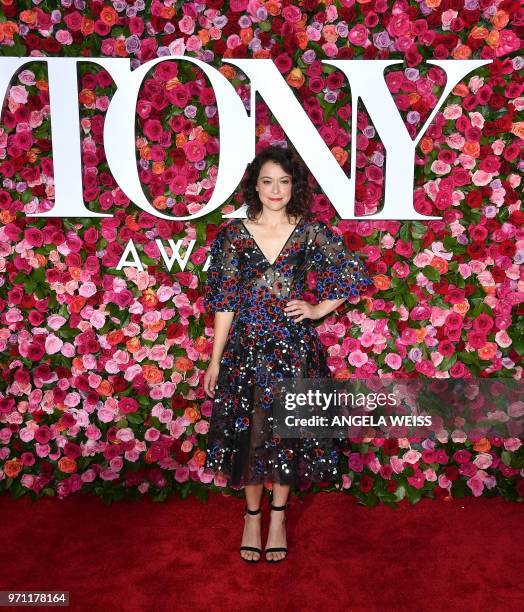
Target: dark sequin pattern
[[264, 346]]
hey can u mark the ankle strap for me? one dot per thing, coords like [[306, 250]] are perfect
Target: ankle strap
[[252, 511], [278, 507]]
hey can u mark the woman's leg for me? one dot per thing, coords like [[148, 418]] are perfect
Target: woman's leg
[[251, 536], [277, 531]]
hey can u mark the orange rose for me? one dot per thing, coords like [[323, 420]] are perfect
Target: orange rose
[[462, 52], [199, 457], [87, 26], [160, 202], [201, 344], [29, 17], [133, 345], [246, 35], [9, 28], [157, 327], [228, 71], [131, 223], [120, 48], [78, 364], [152, 374], [482, 446], [12, 468], [174, 82], [426, 145], [115, 337], [479, 32], [462, 307], [105, 388], [157, 167], [420, 334], [488, 351], [433, 3], [518, 129], [183, 364], [77, 303], [493, 39], [191, 413], [204, 37], [330, 34], [149, 298], [167, 12], [262, 54], [41, 259], [302, 39], [460, 90], [6, 217], [67, 465], [180, 140], [342, 374], [440, 264], [87, 97], [471, 148], [340, 155], [414, 97], [273, 7], [42, 85], [109, 16], [382, 282], [295, 78], [500, 20]]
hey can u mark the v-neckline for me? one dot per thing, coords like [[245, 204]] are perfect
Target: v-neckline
[[281, 250]]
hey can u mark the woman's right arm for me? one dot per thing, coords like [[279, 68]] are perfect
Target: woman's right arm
[[223, 322]]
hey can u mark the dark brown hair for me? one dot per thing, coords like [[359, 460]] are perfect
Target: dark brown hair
[[299, 204]]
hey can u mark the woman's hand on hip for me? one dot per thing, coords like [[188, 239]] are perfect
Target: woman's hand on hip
[[302, 310]]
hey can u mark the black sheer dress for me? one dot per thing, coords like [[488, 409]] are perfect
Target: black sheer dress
[[265, 345]]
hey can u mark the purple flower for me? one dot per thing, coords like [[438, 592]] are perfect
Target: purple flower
[[413, 117], [133, 44], [56, 16], [342, 29], [381, 40], [308, 57], [190, 111], [412, 74], [244, 21]]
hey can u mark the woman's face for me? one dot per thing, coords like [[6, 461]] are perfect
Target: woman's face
[[274, 186]]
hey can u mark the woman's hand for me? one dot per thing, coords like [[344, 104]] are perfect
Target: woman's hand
[[210, 378], [302, 309]]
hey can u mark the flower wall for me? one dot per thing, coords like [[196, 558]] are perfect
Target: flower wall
[[101, 386]]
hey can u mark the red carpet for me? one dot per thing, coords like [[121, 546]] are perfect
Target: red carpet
[[182, 555]]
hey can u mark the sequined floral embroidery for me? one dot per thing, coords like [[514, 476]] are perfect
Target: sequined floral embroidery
[[264, 346]]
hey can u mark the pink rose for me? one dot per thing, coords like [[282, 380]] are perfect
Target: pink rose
[[358, 35]]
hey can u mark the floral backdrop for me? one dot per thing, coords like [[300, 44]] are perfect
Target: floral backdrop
[[101, 370]]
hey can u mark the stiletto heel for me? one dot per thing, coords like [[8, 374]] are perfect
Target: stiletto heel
[[280, 548], [252, 548]]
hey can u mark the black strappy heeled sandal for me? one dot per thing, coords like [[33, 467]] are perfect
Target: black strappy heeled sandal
[[277, 549], [252, 548]]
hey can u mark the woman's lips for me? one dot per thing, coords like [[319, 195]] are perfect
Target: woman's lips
[[275, 199]]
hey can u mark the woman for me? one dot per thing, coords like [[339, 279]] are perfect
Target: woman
[[263, 333]]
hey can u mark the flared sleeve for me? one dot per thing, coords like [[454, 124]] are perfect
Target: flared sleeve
[[339, 272], [222, 288]]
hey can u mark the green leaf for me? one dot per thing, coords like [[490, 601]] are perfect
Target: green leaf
[[506, 458], [431, 273]]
